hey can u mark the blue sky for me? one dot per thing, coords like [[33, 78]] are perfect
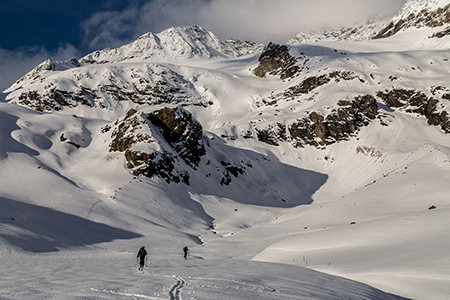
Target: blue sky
[[32, 31], [48, 23]]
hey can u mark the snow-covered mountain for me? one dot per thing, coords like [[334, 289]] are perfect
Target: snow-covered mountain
[[53, 85], [331, 154], [418, 14], [174, 43], [357, 32]]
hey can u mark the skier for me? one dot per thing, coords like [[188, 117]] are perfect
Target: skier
[[142, 255], [185, 250]]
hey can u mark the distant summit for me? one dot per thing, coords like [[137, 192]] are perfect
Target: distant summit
[[414, 14], [174, 43], [418, 13], [357, 32]]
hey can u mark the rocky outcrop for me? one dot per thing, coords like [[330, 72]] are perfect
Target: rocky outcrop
[[182, 132], [310, 83], [272, 134], [161, 164], [245, 47], [356, 32], [231, 169], [441, 34], [55, 99], [123, 137], [154, 144], [339, 125], [146, 84], [276, 60], [418, 17], [417, 102], [47, 66], [318, 130]]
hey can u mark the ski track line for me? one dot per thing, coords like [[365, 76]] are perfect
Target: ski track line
[[175, 291], [126, 294]]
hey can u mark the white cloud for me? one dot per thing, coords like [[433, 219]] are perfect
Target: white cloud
[[110, 28], [266, 20], [257, 20], [14, 64]]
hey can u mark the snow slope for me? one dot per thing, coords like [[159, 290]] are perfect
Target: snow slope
[[291, 223], [173, 43], [74, 238]]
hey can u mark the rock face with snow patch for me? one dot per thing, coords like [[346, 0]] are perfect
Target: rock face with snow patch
[[159, 143], [246, 47], [51, 86], [357, 32], [417, 102], [182, 132], [318, 130], [320, 96], [418, 13], [276, 60]]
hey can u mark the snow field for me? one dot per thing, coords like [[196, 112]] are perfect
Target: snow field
[[72, 218], [106, 274]]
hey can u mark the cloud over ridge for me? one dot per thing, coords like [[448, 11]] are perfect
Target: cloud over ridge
[[257, 20]]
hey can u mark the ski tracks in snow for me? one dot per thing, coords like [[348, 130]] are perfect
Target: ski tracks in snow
[[175, 291]]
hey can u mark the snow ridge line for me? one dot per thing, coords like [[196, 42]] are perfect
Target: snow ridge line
[[175, 291]]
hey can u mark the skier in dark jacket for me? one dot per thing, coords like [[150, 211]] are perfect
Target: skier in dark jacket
[[142, 255], [185, 250]]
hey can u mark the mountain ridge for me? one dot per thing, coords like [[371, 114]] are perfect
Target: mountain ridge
[[174, 43], [328, 155], [417, 14]]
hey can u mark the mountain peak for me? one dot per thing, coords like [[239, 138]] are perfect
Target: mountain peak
[[171, 44], [418, 13], [356, 32]]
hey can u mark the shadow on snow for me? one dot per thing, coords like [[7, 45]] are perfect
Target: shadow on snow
[[262, 180], [7, 143], [38, 229]]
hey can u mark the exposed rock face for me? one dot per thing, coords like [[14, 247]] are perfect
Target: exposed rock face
[[276, 60], [416, 14], [272, 134], [357, 32], [34, 100], [143, 84], [245, 47], [231, 169], [309, 84], [339, 125], [182, 132], [441, 34], [154, 143], [161, 164], [47, 66], [417, 102], [313, 82], [122, 136], [318, 130]]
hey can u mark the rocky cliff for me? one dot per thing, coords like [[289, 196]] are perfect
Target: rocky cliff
[[418, 14], [161, 93], [157, 143]]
